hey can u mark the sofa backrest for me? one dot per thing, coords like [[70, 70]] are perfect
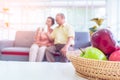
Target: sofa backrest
[[24, 38], [82, 39]]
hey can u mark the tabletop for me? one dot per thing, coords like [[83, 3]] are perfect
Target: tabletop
[[37, 71]]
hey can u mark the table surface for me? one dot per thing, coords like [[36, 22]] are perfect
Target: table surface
[[37, 71]]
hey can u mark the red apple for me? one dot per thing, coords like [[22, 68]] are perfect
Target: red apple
[[104, 40], [115, 56]]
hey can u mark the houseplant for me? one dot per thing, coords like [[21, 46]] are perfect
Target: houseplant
[[98, 22]]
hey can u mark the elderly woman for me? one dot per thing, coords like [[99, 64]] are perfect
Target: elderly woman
[[42, 41]]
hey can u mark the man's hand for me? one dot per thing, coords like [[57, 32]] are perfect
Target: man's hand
[[64, 50]]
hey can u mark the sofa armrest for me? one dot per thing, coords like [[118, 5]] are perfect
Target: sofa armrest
[[82, 40], [6, 43], [89, 44]]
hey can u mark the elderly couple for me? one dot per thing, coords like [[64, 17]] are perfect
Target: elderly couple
[[47, 43]]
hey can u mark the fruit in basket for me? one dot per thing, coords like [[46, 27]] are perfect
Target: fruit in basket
[[104, 40], [93, 53], [115, 56]]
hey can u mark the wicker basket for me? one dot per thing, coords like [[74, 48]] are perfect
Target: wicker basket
[[94, 69]]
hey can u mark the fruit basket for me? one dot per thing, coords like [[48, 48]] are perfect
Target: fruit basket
[[94, 69]]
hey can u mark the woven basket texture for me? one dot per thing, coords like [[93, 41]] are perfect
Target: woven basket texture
[[94, 69]]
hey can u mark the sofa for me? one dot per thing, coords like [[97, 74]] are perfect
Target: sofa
[[18, 49]]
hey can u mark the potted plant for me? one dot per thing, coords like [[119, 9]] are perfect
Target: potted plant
[[99, 22]]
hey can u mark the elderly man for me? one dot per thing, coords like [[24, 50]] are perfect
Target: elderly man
[[63, 37]]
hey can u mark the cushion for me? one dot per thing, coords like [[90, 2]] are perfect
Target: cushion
[[15, 51], [82, 40], [24, 38]]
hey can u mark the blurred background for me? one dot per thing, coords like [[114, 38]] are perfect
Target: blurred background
[[30, 14]]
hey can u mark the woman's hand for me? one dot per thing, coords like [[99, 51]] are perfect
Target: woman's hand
[[48, 34], [37, 42]]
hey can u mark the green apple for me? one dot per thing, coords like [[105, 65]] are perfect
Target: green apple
[[93, 53]]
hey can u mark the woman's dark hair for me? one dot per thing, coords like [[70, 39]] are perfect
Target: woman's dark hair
[[53, 22]]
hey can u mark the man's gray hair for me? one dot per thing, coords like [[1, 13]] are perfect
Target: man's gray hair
[[61, 14]]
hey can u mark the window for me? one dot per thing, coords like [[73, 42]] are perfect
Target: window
[[28, 15]]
